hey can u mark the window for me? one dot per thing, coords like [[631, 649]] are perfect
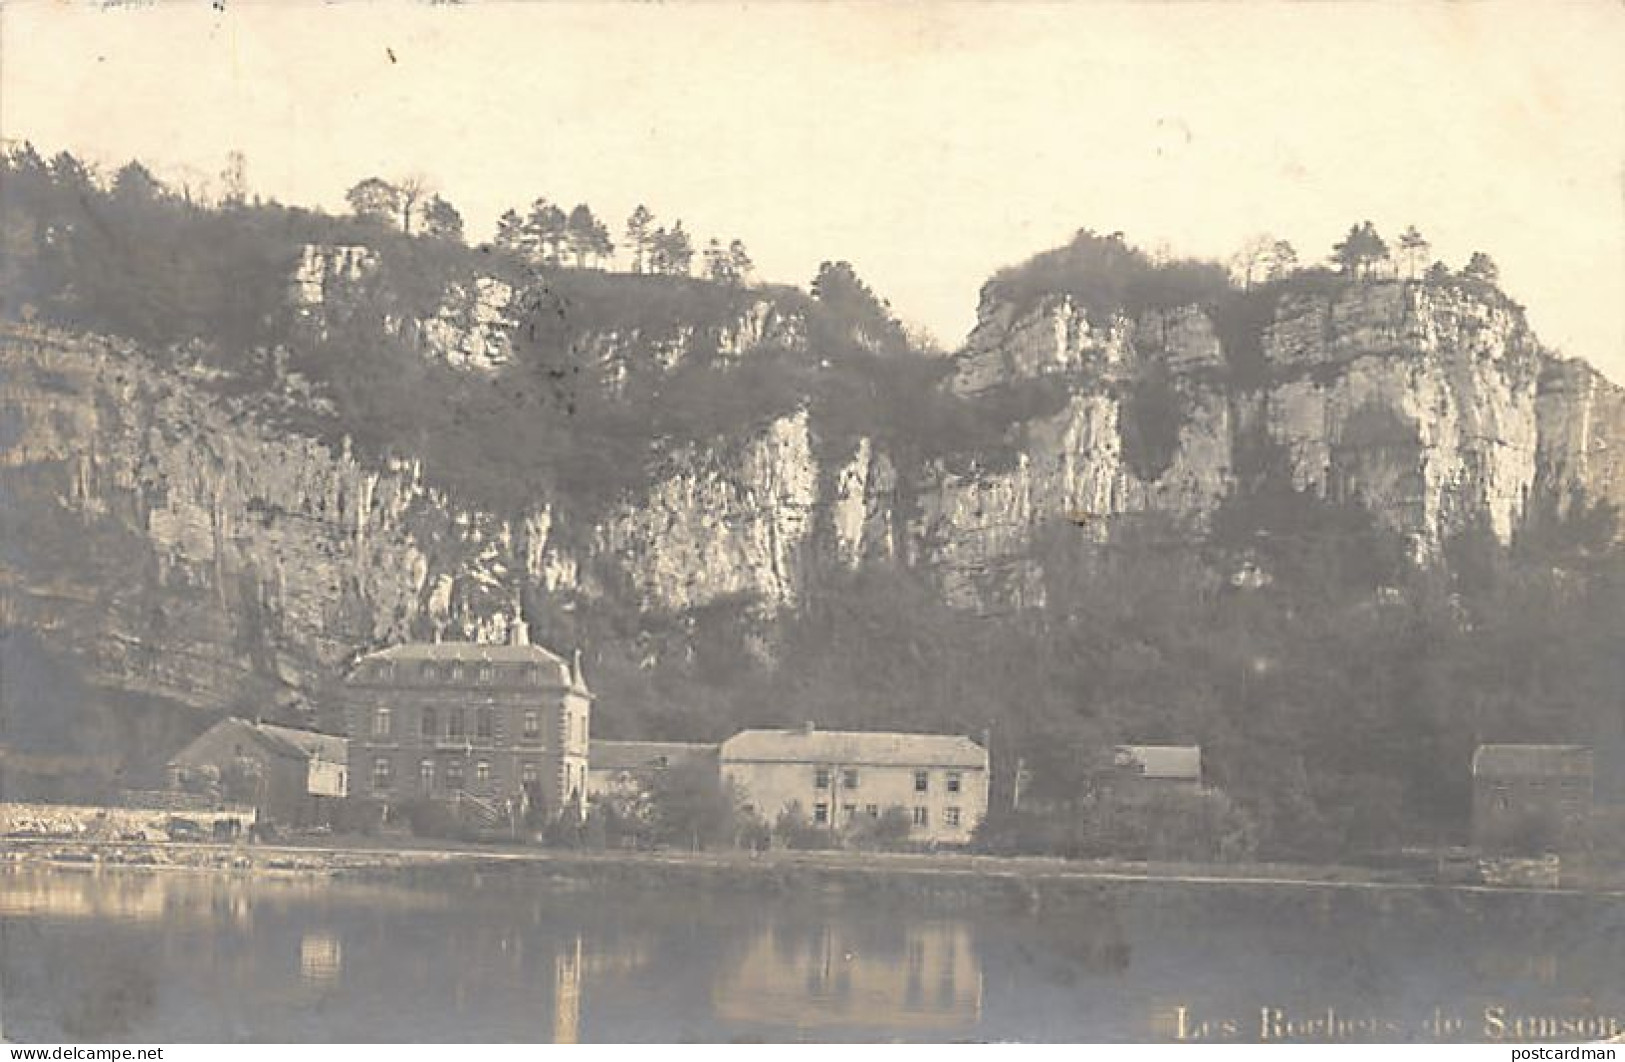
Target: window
[[426, 775], [849, 778], [382, 772], [527, 772], [534, 676], [456, 672], [430, 725], [950, 816], [849, 812], [427, 671], [382, 725], [582, 719], [821, 778], [872, 810], [922, 781], [953, 781], [483, 723], [454, 774], [922, 817], [485, 674], [383, 672], [456, 725], [533, 724], [821, 813], [482, 772]]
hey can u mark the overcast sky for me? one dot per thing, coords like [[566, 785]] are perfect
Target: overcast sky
[[928, 144]]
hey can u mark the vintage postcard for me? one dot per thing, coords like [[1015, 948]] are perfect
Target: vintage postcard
[[900, 522]]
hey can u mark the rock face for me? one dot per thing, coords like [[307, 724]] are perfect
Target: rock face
[[1425, 404], [1581, 438], [474, 328], [168, 529], [323, 269], [177, 544]]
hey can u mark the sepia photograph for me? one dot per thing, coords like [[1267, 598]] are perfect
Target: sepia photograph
[[811, 522]]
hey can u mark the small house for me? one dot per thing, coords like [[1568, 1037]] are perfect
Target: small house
[[289, 776], [1532, 798], [1177, 767]]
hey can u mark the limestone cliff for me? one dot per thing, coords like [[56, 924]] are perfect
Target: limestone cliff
[[176, 538], [1433, 406]]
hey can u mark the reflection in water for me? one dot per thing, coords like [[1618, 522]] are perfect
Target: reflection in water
[[464, 955], [119, 897], [321, 957], [822, 975], [567, 994]]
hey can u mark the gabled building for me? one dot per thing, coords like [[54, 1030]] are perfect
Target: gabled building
[[290, 776], [1532, 798], [836, 776], [1176, 767], [507, 725]]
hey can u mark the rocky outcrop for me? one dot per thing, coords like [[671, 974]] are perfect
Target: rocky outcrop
[[1417, 401], [1425, 403], [474, 327], [176, 542], [324, 269], [721, 522], [185, 549], [1580, 452]]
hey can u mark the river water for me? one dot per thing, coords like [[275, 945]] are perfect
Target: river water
[[482, 955]]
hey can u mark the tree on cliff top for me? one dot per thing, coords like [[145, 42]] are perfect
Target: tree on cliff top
[[1481, 267], [1413, 251], [586, 236], [637, 236], [441, 220], [408, 205], [839, 287], [1361, 251]]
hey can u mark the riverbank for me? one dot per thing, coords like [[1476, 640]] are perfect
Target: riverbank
[[1025, 881]]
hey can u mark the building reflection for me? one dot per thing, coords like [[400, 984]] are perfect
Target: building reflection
[[82, 896], [926, 976], [321, 957], [567, 993]]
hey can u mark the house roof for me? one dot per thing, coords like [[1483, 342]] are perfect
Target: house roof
[[471, 653], [1532, 761], [466, 652], [856, 747], [1174, 762], [329, 747], [280, 740], [643, 755]]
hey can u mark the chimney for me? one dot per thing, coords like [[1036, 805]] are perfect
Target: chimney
[[575, 669], [518, 633]]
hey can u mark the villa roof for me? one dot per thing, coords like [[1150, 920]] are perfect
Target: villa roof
[[855, 747], [467, 652], [1532, 761]]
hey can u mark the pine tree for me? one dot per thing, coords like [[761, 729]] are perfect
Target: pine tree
[[638, 237]]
